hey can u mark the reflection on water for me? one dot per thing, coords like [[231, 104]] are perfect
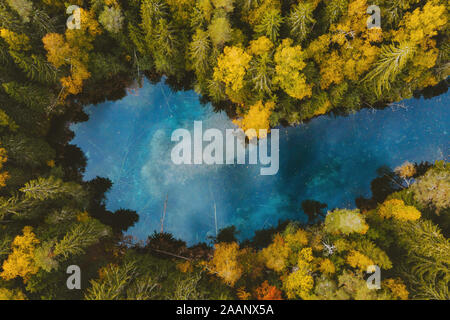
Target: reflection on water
[[331, 160]]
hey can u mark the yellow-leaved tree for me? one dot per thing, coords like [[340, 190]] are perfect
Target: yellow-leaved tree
[[11, 294], [397, 210], [232, 66], [276, 254], [225, 263], [256, 118], [15, 41], [260, 46], [397, 288], [300, 282], [358, 260], [4, 175], [72, 49], [418, 29], [289, 65], [21, 263]]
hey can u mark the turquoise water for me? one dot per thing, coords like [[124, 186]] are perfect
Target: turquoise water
[[331, 160]]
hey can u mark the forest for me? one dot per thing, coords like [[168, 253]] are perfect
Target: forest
[[266, 63]]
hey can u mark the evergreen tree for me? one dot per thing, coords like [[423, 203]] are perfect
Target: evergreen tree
[[79, 237], [301, 19], [390, 63], [51, 188], [270, 24]]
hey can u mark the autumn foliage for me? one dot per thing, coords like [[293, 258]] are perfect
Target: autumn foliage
[[267, 292]]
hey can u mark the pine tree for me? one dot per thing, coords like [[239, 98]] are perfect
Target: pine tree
[[186, 289], [300, 19], [146, 287], [166, 48], [426, 266], [137, 37], [43, 22], [36, 68], [51, 188], [16, 206], [270, 24], [31, 95], [113, 283], [26, 151], [79, 237], [216, 90], [261, 71], [151, 12], [335, 8], [391, 62], [199, 50]]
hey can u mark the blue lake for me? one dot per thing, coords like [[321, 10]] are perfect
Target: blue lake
[[330, 159]]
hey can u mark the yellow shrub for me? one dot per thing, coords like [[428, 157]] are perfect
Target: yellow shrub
[[356, 259], [397, 209], [21, 261]]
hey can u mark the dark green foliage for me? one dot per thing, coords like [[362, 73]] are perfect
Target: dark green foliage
[[31, 95], [27, 151], [313, 209], [36, 67], [227, 235]]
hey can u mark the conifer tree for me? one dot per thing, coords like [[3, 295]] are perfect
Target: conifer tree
[[79, 237], [301, 19], [51, 188], [270, 24]]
